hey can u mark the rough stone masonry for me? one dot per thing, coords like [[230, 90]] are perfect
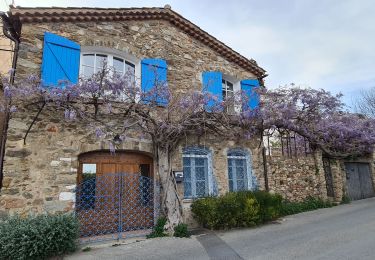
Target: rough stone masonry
[[40, 176]]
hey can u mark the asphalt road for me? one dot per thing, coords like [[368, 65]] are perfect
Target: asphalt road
[[342, 232]]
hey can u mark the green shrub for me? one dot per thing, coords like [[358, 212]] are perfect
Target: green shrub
[[345, 199], [234, 209], [205, 211], [249, 211], [310, 203], [38, 237], [158, 230], [227, 210], [181, 230], [248, 208], [270, 205]]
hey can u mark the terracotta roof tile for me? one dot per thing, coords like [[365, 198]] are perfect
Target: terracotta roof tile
[[72, 14]]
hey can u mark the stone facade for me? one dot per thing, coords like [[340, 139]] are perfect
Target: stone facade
[[187, 58], [40, 176]]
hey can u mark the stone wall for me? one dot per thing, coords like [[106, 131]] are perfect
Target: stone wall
[[297, 178]]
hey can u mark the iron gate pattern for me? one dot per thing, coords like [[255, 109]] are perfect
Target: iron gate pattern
[[115, 206]]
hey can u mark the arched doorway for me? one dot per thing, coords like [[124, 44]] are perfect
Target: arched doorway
[[115, 194]]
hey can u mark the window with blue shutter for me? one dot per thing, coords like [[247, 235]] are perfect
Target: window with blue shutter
[[212, 83], [154, 81], [248, 86], [60, 60]]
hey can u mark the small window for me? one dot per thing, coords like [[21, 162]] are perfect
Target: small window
[[228, 94], [88, 186], [238, 171], [92, 63], [197, 176], [146, 185]]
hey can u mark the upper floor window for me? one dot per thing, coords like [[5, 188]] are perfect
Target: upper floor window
[[222, 87], [93, 62], [228, 94]]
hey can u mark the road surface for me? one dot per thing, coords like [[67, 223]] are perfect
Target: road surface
[[342, 232]]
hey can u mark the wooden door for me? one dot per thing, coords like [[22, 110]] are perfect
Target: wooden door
[[118, 193]]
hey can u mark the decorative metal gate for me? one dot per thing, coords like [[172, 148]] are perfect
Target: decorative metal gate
[[116, 205]]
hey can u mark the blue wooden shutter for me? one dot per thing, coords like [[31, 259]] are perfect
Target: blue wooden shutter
[[212, 83], [60, 59], [248, 86], [154, 75]]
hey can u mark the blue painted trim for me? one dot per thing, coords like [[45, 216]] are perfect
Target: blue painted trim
[[160, 63], [248, 86], [60, 61], [153, 75], [61, 41], [212, 83]]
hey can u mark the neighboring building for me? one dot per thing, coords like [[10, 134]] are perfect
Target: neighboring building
[[42, 176], [6, 55]]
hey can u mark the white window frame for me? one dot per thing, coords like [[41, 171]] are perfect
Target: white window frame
[[225, 90], [250, 180], [111, 53], [210, 189]]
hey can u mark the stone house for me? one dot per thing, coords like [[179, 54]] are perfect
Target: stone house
[[61, 168]]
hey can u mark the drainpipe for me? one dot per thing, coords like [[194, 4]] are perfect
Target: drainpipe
[[264, 152], [10, 32]]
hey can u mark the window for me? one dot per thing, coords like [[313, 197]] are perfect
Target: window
[[145, 185], [93, 62], [228, 94], [239, 176], [198, 178], [88, 186]]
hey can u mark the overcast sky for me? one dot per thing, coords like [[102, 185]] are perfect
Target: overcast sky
[[326, 44]]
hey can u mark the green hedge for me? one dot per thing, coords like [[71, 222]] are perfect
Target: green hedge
[[270, 205], [38, 237], [310, 203], [237, 209], [246, 209]]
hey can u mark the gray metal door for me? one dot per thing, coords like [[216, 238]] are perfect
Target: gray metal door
[[365, 180], [358, 181]]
